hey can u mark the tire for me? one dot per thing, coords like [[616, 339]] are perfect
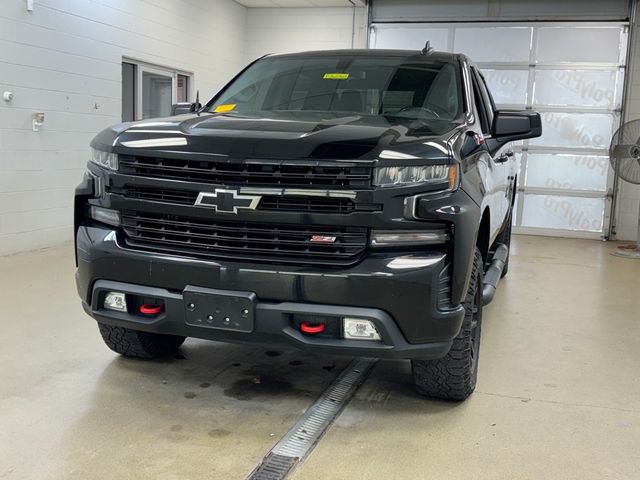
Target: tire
[[137, 344], [505, 237], [454, 376]]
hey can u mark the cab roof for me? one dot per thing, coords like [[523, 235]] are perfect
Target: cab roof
[[433, 55]]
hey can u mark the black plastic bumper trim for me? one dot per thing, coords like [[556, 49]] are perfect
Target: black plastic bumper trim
[[272, 325]]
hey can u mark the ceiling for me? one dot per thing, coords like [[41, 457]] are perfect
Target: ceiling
[[302, 3]]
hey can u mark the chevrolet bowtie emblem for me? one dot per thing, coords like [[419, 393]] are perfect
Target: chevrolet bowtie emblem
[[322, 239], [227, 201]]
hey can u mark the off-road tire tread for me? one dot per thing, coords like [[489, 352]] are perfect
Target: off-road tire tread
[[452, 377], [137, 344]]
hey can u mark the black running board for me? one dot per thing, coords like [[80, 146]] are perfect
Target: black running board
[[494, 273]]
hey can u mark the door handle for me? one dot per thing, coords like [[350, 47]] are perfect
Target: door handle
[[504, 157]]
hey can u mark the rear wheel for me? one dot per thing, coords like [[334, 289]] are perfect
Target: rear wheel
[[454, 376], [137, 344]]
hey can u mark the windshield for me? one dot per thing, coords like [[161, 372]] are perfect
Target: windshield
[[409, 88]]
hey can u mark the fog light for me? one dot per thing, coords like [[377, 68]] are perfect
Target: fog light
[[360, 329], [105, 215], [115, 301]]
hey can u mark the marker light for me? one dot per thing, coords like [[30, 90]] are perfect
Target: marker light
[[360, 329], [115, 301]]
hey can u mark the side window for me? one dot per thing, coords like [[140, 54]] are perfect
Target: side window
[[486, 98], [480, 106], [489, 96]]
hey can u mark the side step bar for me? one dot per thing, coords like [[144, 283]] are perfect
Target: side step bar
[[494, 273]]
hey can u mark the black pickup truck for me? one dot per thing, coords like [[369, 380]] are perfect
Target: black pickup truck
[[351, 202]]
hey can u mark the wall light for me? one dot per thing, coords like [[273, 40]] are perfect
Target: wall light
[[38, 120]]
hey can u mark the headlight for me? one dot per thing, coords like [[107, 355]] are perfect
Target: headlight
[[104, 159], [402, 176]]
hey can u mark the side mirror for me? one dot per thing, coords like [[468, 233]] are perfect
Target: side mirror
[[184, 107], [510, 125]]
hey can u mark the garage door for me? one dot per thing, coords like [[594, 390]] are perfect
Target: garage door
[[573, 75]]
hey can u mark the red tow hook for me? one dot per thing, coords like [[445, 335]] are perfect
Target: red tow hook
[[150, 309], [312, 328]]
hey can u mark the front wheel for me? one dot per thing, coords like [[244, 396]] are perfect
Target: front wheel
[[137, 344], [454, 376]]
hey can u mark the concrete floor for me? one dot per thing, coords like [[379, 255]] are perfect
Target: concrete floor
[[558, 395]]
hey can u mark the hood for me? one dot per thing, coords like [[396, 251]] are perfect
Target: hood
[[299, 135]]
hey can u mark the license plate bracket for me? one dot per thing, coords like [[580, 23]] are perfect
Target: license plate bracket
[[219, 309]]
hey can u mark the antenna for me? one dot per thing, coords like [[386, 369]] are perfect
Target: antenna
[[427, 48], [198, 102]]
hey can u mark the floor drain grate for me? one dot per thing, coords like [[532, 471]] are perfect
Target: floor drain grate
[[305, 434], [273, 467]]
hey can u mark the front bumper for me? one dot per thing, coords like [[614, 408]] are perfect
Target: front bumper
[[400, 294]]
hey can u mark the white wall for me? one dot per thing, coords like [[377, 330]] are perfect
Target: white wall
[[280, 30], [629, 195], [64, 59]]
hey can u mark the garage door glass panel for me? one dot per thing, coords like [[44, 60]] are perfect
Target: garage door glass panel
[[508, 87], [573, 74], [575, 130], [577, 88], [565, 213], [578, 45], [567, 172], [411, 37], [501, 44]]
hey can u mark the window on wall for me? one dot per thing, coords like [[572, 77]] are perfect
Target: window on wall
[[183, 88], [148, 91]]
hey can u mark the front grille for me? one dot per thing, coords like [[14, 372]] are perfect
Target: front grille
[[241, 240], [255, 173], [307, 204], [282, 203], [163, 195]]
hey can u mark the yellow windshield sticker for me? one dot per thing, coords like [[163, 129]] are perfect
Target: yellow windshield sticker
[[227, 107], [336, 76]]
